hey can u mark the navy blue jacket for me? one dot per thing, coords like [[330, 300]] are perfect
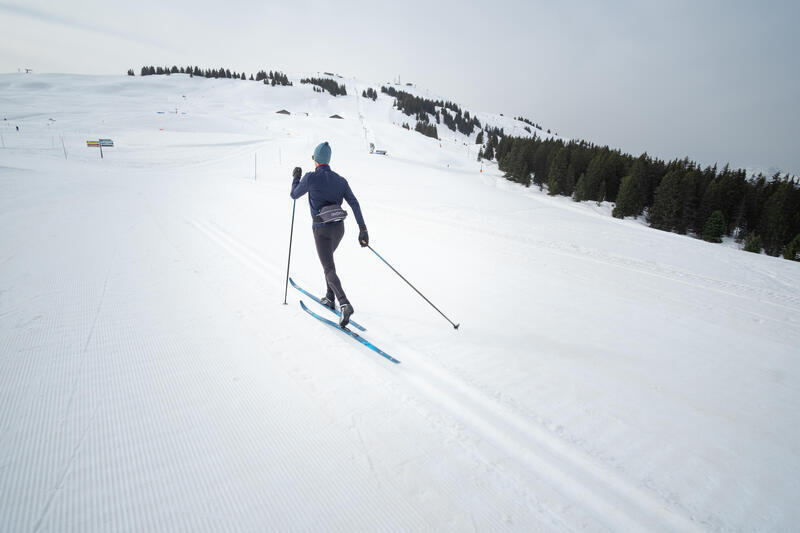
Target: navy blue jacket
[[326, 187]]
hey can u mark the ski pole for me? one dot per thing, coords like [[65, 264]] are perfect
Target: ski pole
[[289, 261], [455, 326]]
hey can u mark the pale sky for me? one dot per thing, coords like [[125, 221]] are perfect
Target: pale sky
[[717, 81]]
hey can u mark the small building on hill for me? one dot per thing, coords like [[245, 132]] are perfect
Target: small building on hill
[[336, 116], [283, 112]]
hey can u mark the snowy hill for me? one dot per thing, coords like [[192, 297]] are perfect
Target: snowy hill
[[605, 377]]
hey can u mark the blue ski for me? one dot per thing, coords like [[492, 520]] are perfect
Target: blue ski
[[353, 334], [336, 311]]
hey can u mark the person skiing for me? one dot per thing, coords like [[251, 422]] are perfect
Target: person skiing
[[326, 189]]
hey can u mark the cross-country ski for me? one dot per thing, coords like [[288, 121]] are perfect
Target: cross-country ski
[[316, 299], [349, 332]]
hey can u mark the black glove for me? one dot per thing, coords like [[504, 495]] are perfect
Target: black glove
[[363, 237], [297, 173]]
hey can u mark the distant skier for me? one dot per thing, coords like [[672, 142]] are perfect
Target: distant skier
[[326, 189]]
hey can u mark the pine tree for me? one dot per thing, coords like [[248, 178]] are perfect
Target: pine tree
[[516, 163], [580, 187], [568, 184], [489, 153], [502, 147], [557, 174], [591, 185], [523, 172], [612, 176], [664, 213], [632, 195], [626, 204], [774, 223], [506, 157], [711, 201], [753, 244], [542, 159], [579, 157], [687, 207], [792, 250], [714, 228]]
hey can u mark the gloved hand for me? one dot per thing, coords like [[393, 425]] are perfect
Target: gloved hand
[[363, 237], [297, 173]]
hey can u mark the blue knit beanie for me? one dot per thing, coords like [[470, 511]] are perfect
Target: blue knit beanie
[[322, 153]]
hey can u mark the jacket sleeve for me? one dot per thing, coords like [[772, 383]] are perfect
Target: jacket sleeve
[[353, 202], [299, 186]]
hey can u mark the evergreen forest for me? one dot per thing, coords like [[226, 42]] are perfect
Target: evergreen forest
[[677, 196]]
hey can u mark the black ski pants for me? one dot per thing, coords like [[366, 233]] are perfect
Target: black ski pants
[[327, 238]]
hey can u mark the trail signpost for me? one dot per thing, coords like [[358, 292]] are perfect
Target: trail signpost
[[100, 143]]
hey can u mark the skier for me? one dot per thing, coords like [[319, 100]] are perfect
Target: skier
[[326, 189]]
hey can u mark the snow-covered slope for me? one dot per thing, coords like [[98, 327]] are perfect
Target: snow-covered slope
[[606, 376]]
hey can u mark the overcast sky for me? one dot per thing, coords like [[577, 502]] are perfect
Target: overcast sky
[[717, 81]]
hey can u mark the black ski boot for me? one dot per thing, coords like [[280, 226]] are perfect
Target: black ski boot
[[328, 302], [346, 310]]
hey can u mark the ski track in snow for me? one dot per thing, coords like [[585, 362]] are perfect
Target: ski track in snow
[[783, 299], [606, 376], [624, 505]]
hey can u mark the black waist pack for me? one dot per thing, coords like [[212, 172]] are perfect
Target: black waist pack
[[330, 213]]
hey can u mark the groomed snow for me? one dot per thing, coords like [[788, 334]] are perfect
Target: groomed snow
[[606, 376]]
